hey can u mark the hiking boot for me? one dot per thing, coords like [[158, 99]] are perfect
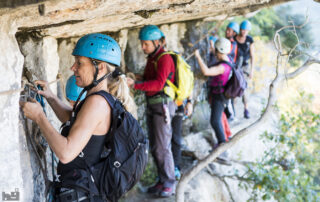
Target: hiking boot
[[155, 189], [246, 114], [166, 192], [223, 159], [177, 173]]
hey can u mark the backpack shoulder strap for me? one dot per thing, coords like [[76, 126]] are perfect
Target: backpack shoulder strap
[[110, 99], [228, 63], [159, 56], [116, 110], [172, 53]]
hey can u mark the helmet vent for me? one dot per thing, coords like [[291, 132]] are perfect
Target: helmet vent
[[99, 47]]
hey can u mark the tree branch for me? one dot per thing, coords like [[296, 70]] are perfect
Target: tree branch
[[301, 69], [225, 146]]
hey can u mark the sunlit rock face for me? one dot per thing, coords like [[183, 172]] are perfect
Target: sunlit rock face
[[38, 37]]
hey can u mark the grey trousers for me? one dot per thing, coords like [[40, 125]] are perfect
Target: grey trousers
[[160, 135]]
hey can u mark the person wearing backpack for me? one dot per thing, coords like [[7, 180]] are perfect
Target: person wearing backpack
[[219, 77], [160, 107], [89, 124], [73, 91], [245, 53], [184, 109], [231, 31]]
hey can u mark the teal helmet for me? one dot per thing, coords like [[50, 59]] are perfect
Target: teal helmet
[[246, 25], [213, 38], [72, 90], [150, 33], [99, 47], [234, 26]]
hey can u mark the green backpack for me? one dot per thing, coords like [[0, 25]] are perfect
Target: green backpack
[[183, 85]]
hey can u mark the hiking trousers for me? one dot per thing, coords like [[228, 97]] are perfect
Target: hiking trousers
[[245, 95], [160, 135], [176, 135], [217, 106]]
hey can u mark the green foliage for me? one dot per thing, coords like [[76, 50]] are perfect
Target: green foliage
[[290, 170], [268, 21], [265, 23]]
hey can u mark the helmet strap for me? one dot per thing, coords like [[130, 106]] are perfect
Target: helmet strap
[[155, 50], [90, 87], [96, 72], [94, 83]]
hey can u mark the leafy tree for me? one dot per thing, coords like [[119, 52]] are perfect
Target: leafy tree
[[290, 170]]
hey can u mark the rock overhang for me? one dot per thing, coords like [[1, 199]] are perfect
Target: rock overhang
[[63, 19]]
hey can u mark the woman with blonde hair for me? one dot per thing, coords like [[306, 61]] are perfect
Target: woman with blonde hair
[[97, 58]]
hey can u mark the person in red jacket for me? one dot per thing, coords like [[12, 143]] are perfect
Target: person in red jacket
[[160, 107]]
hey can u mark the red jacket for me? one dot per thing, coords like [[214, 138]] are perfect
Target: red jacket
[[154, 79]]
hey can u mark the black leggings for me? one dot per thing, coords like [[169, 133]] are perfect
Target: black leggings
[[217, 107], [176, 135]]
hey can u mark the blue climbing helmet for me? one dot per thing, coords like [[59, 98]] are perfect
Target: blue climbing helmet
[[150, 33], [246, 25], [213, 38], [72, 90], [234, 26], [97, 47], [100, 47]]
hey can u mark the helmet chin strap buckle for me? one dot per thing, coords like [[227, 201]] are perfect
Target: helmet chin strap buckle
[[95, 83]]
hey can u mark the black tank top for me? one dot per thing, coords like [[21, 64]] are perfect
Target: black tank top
[[244, 49], [91, 152]]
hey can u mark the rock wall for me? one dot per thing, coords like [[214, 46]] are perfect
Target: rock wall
[[11, 62], [38, 37]]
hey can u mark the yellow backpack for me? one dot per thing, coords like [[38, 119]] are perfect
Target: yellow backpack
[[183, 85]]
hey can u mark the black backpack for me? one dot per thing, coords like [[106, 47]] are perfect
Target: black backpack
[[237, 84], [125, 157]]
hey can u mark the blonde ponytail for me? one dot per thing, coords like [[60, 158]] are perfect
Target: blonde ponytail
[[119, 88]]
